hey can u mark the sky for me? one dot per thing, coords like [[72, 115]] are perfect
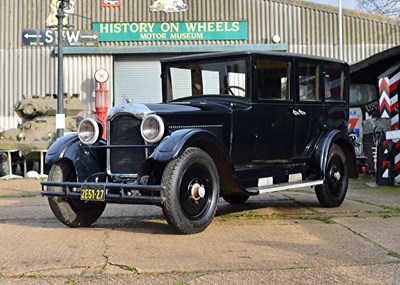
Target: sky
[[346, 4]]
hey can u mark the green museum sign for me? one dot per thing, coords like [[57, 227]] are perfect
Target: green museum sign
[[172, 31]]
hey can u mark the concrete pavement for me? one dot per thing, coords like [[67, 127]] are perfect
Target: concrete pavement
[[280, 238]]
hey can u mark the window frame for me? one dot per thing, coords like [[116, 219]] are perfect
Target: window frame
[[318, 84], [256, 79], [167, 86], [344, 81]]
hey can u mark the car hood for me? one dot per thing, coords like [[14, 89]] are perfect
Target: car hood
[[195, 106]]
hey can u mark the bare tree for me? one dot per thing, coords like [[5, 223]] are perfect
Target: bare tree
[[389, 8]]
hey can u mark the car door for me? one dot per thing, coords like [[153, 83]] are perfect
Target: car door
[[309, 110], [274, 121]]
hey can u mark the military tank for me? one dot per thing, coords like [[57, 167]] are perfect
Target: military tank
[[37, 129]]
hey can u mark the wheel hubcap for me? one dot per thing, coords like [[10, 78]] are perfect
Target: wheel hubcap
[[335, 176], [197, 191]]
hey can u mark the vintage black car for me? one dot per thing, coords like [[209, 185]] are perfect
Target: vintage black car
[[231, 125]]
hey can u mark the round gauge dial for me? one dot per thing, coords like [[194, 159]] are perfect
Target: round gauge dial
[[101, 75]]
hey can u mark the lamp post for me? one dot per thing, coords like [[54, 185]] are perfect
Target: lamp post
[[60, 116], [340, 20]]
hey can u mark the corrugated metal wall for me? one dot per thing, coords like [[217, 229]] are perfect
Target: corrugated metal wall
[[27, 71], [306, 28]]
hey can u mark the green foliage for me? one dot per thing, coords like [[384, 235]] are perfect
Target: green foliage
[[131, 268], [73, 280], [327, 219], [181, 282]]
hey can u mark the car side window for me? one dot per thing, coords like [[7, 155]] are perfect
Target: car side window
[[308, 79], [334, 82], [227, 77], [273, 79]]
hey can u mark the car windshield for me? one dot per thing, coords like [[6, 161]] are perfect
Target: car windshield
[[223, 77]]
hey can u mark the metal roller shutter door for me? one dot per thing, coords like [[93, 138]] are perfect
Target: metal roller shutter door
[[137, 78]]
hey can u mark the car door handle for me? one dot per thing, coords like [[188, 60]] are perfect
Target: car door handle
[[299, 112], [296, 113], [302, 112]]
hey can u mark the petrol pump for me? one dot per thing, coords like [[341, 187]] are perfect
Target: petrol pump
[[102, 98]]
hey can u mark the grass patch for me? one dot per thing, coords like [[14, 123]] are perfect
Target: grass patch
[[27, 195], [388, 189], [251, 215], [360, 185], [73, 280], [386, 207], [181, 282], [394, 254], [306, 217], [392, 208], [131, 268], [363, 178], [327, 219], [18, 195], [36, 275], [385, 215], [247, 215], [312, 216]]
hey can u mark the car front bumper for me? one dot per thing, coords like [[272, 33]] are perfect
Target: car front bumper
[[122, 193]]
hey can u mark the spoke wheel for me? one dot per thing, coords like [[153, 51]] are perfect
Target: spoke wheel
[[71, 212], [191, 191], [334, 189]]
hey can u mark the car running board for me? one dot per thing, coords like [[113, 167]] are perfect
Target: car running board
[[284, 186]]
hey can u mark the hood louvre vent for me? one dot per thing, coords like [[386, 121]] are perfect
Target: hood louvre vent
[[215, 129]]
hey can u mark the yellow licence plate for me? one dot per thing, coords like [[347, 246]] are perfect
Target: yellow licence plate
[[93, 193]]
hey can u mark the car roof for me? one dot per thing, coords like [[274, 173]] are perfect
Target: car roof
[[196, 57]]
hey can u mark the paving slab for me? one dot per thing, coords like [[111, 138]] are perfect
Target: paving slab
[[34, 208], [349, 275], [387, 274], [383, 231], [29, 249], [278, 238], [150, 246], [232, 245]]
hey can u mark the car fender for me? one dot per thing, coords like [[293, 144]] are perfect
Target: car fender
[[322, 150], [86, 160], [173, 145], [60, 147]]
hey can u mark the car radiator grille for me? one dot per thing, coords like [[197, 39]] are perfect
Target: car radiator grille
[[125, 130]]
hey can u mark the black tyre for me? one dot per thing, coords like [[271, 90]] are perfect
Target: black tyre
[[4, 164], [4, 168], [71, 212], [236, 198], [333, 191], [191, 191]]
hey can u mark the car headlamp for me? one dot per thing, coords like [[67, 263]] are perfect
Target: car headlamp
[[152, 128], [89, 131]]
